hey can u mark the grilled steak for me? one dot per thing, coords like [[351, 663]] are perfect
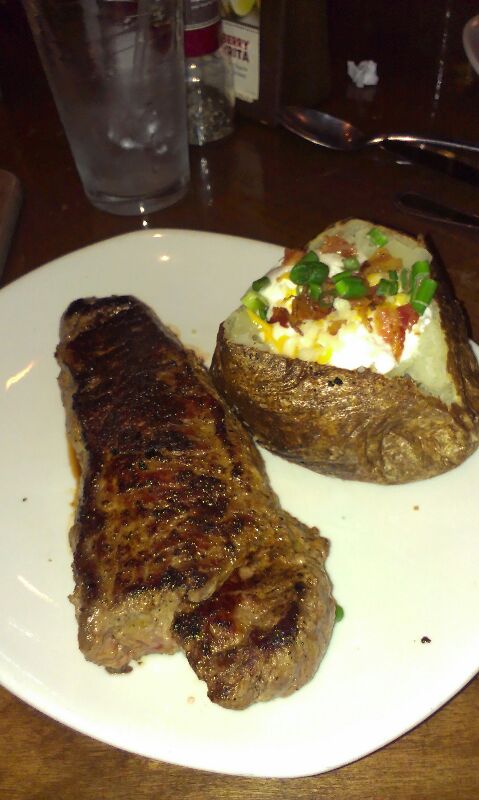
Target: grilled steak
[[264, 632], [174, 507]]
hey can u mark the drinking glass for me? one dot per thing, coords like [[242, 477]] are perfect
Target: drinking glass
[[116, 71]]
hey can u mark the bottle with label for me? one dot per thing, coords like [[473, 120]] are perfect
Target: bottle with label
[[279, 50], [209, 74]]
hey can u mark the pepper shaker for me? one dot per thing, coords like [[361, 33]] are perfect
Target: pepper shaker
[[209, 74]]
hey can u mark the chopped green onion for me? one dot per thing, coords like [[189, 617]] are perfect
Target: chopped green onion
[[249, 297], [386, 288], [426, 290], [311, 257], [419, 307], [377, 237], [319, 272], [419, 270], [314, 290], [309, 268], [394, 278], [351, 263], [261, 283], [255, 303], [340, 275], [351, 287], [383, 287], [339, 613], [423, 295], [300, 273], [405, 279], [389, 287]]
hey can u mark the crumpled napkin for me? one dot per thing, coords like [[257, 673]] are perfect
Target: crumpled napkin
[[364, 73]]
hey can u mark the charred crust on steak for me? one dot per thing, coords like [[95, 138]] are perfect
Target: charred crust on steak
[[263, 633], [178, 541]]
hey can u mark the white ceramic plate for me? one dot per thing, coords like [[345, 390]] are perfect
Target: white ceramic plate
[[403, 559]]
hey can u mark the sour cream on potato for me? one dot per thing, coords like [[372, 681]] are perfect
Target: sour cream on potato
[[344, 338]]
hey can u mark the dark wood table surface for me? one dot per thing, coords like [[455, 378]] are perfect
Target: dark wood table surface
[[265, 184]]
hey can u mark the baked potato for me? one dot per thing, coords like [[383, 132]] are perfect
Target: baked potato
[[351, 357]]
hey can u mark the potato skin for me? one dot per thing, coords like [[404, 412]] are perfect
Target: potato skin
[[352, 424]]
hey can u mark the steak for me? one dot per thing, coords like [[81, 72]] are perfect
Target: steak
[[263, 633], [176, 524]]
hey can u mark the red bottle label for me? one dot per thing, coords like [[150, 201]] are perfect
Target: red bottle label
[[202, 27]]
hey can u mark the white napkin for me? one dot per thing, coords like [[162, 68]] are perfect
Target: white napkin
[[364, 73]]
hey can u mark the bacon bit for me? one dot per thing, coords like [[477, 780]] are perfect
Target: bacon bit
[[408, 316], [360, 302], [329, 288], [305, 308], [389, 326], [373, 295], [334, 327], [362, 306], [380, 261], [336, 244], [391, 322], [291, 257], [280, 315], [328, 299]]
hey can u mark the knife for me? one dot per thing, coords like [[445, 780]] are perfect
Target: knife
[[445, 161], [425, 207]]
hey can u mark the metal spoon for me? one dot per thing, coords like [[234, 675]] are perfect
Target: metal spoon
[[338, 134]]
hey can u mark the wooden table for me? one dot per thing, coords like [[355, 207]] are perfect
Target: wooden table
[[265, 184]]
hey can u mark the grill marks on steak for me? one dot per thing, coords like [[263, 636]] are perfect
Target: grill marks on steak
[[263, 633], [175, 506], [161, 516]]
